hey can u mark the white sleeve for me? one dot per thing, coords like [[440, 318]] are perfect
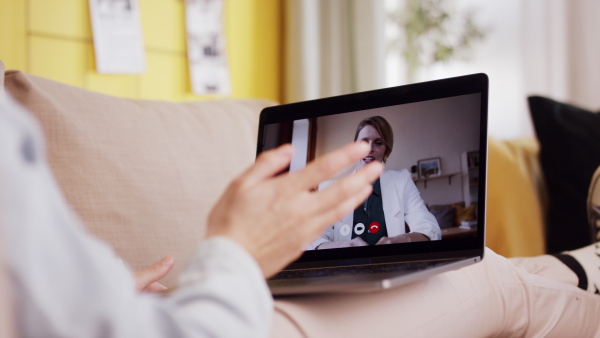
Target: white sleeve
[[66, 283], [224, 291], [326, 237], [416, 215]]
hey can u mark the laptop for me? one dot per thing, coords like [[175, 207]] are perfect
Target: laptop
[[432, 190]]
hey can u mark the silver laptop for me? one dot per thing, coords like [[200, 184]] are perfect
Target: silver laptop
[[426, 214]]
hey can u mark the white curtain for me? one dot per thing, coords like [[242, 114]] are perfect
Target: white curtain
[[584, 56], [543, 47], [562, 50], [560, 55], [333, 47]]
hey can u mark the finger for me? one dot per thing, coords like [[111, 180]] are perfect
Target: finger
[[268, 164], [346, 187], [338, 200], [324, 219], [153, 273], [154, 287], [328, 165]]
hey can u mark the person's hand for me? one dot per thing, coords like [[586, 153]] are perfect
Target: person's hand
[[357, 241], [275, 217], [146, 280], [403, 238]]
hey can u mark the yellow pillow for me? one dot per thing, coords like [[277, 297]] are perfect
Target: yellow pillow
[[515, 198]]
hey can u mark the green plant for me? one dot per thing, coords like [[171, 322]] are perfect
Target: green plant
[[433, 31]]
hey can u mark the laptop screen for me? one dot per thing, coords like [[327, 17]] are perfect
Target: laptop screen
[[431, 138]]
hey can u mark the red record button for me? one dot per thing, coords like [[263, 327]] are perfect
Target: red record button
[[374, 227]]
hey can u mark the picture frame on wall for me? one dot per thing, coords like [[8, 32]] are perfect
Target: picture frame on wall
[[429, 167]]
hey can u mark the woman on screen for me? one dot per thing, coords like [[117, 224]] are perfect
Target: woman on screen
[[393, 213]]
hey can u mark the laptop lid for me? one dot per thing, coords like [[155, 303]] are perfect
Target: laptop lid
[[439, 131]]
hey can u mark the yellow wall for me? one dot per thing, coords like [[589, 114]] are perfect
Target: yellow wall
[[53, 39]]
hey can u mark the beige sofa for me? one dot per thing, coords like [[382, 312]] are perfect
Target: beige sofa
[[6, 319], [143, 175]]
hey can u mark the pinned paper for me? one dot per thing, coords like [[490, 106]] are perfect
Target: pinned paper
[[209, 69], [118, 41]]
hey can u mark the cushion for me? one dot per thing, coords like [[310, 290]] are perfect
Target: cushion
[[141, 174], [444, 214], [515, 198], [593, 205], [464, 213], [569, 139]]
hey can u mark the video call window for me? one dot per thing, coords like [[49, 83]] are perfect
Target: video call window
[[429, 188]]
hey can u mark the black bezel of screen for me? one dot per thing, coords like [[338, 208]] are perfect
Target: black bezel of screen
[[425, 91]]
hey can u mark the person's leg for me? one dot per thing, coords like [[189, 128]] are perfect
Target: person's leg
[[579, 267], [491, 298], [585, 263], [547, 266]]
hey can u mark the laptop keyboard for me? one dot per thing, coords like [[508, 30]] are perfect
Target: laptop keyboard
[[360, 269]]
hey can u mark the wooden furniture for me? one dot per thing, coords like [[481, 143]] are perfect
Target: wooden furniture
[[424, 180], [458, 232]]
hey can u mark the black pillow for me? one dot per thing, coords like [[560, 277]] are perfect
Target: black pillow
[[569, 154]]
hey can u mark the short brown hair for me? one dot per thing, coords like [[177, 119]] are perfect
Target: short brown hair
[[383, 128]]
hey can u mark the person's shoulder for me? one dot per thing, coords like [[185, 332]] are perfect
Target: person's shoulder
[[397, 174]]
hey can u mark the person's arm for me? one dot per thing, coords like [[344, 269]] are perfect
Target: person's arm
[[68, 284], [423, 225], [300, 214], [419, 219], [326, 240], [403, 238], [326, 237], [357, 241]]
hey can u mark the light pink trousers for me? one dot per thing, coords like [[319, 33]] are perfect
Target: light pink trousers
[[498, 297]]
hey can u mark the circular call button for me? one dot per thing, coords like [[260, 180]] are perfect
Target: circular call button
[[345, 230], [359, 228], [374, 227]]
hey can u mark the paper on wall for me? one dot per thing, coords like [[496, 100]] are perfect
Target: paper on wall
[[118, 42], [209, 69]]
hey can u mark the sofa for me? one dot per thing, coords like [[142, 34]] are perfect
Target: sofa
[[143, 175]]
